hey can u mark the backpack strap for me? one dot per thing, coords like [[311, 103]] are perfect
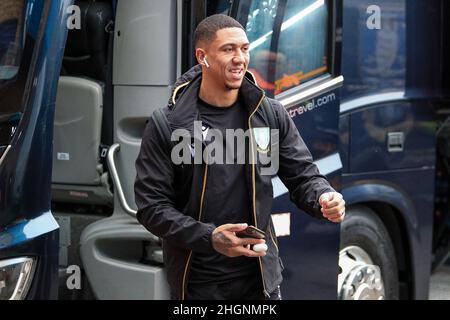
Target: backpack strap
[[269, 113], [163, 127]]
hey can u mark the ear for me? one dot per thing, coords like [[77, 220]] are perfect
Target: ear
[[200, 54]]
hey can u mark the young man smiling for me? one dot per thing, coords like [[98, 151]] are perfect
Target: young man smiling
[[197, 208]]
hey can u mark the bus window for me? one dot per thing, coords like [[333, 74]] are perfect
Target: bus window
[[11, 47], [11, 39], [259, 21], [303, 44], [376, 60], [288, 41], [17, 41]]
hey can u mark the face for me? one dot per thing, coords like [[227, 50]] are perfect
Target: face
[[228, 57]]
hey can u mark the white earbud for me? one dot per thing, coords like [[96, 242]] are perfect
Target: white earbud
[[206, 62], [260, 247]]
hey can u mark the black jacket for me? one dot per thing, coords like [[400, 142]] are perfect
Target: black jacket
[[171, 199]]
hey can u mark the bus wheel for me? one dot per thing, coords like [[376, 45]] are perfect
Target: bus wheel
[[368, 268]]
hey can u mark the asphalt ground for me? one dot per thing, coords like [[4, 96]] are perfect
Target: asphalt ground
[[440, 283]]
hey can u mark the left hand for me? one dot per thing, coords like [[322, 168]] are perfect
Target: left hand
[[333, 206]]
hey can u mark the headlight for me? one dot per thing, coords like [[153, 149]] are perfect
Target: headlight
[[15, 277]]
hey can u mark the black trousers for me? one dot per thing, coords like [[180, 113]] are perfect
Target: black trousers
[[245, 288]]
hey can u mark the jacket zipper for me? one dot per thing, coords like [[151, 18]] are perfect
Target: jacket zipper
[[275, 242], [186, 267], [266, 294], [178, 89], [205, 175]]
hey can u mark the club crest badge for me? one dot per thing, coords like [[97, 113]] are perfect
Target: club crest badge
[[205, 130], [262, 138]]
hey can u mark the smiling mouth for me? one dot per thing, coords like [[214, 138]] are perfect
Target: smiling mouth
[[237, 73]]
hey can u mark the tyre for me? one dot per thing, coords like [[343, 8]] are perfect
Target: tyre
[[368, 266]]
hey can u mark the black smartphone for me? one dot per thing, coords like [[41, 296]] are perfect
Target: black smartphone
[[251, 232]]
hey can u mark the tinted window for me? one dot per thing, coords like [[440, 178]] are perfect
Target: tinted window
[[374, 60], [19, 23], [303, 44], [260, 25], [289, 41]]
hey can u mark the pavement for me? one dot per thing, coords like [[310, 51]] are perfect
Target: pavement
[[440, 283]]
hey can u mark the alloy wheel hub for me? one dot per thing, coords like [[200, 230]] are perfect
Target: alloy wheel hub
[[360, 279]]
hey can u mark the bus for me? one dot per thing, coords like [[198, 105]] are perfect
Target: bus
[[365, 83]]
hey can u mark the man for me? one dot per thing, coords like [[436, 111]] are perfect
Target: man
[[197, 209]]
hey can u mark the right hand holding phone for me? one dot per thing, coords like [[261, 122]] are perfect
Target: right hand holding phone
[[225, 241]]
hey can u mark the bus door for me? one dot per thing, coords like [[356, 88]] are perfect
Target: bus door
[[31, 35]]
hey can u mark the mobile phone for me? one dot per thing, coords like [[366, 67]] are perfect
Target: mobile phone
[[251, 232]]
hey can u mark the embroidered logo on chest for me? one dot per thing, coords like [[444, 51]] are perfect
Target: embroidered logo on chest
[[262, 138]]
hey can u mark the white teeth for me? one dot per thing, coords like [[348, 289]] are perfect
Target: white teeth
[[237, 73]]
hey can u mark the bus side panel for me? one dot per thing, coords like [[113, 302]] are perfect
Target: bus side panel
[[414, 200], [310, 252]]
